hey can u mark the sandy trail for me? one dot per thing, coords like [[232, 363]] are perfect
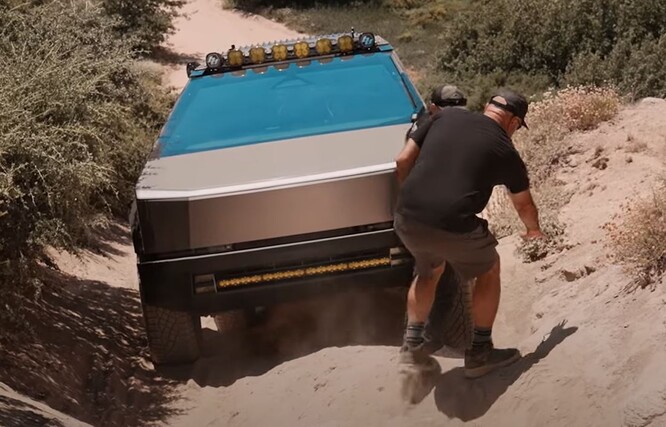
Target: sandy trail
[[593, 355], [207, 27]]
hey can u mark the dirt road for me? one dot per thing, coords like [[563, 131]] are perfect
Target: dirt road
[[593, 355], [207, 27]]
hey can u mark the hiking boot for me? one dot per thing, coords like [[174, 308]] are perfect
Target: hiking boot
[[418, 371], [416, 359], [482, 359]]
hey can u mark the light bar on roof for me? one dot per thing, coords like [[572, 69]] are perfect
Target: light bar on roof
[[339, 44], [257, 55]]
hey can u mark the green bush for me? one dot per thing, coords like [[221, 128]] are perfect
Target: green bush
[[635, 69], [148, 22], [77, 118], [558, 41]]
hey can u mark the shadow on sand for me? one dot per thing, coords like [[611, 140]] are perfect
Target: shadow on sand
[[459, 397], [290, 331], [14, 413], [82, 351], [167, 56]]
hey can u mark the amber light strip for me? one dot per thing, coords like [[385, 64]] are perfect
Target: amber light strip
[[302, 272]]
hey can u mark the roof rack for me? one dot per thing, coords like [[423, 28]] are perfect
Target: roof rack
[[284, 51]]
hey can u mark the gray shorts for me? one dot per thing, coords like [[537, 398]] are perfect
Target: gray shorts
[[470, 254]]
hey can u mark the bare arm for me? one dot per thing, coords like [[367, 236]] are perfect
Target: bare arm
[[405, 160], [527, 211]]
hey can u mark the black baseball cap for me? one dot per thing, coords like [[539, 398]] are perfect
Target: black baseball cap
[[516, 103], [448, 96]]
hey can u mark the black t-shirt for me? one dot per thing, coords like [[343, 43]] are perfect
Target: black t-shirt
[[463, 156], [422, 121]]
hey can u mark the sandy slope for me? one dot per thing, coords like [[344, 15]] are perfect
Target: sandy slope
[[593, 355]]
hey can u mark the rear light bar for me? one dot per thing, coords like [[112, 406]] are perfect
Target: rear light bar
[[305, 272]]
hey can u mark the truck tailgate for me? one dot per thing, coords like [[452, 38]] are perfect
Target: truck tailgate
[[269, 190]]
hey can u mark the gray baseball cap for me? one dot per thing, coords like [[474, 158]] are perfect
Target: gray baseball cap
[[448, 96]]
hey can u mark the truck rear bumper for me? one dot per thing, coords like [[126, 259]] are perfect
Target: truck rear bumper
[[171, 283]]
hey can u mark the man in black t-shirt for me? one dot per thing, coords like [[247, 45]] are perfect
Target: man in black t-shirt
[[448, 170]]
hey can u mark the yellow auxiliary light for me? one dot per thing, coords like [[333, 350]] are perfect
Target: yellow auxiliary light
[[280, 52], [301, 49], [257, 55], [346, 43], [323, 46], [235, 57]]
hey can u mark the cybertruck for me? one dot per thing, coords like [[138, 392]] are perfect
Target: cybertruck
[[272, 180]]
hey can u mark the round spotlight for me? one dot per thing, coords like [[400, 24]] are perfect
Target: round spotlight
[[214, 60], [367, 40]]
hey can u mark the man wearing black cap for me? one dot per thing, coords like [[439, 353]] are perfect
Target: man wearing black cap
[[444, 96], [462, 156]]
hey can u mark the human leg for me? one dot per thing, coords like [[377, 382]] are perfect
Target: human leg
[[483, 358], [420, 298], [475, 257], [486, 297], [421, 295], [422, 242]]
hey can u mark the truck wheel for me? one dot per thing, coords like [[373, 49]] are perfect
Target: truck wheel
[[173, 336], [451, 326]]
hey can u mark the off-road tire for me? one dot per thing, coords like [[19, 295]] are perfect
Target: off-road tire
[[174, 337], [231, 321], [450, 325]]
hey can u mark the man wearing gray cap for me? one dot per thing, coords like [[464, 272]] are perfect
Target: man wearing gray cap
[[441, 97], [446, 96], [462, 156]]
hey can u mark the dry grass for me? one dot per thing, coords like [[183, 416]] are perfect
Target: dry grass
[[545, 147], [584, 108], [504, 221], [552, 119], [637, 237]]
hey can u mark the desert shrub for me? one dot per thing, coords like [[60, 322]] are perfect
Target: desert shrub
[[551, 119], [584, 108], [528, 37], [635, 69], [77, 118], [148, 22], [544, 148], [504, 221], [637, 237]]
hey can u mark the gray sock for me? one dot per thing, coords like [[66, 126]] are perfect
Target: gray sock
[[414, 334], [482, 336]]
